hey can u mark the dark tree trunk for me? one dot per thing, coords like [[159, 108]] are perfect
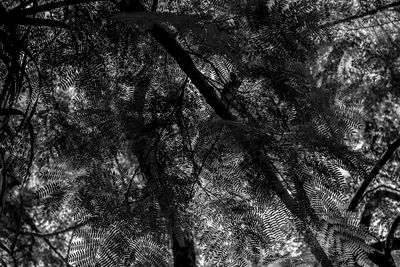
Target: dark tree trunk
[[183, 252], [183, 249]]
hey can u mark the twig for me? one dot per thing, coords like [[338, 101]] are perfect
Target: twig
[[56, 251], [381, 244], [33, 226], [361, 15], [120, 170], [374, 202], [3, 247], [19, 20], [374, 172], [207, 154], [131, 181], [38, 234], [389, 241], [69, 244], [53, 5]]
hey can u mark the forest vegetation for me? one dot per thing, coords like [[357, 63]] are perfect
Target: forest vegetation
[[199, 133]]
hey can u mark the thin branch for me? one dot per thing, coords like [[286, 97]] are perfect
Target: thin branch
[[153, 147], [390, 236], [389, 242], [120, 170], [382, 187], [54, 5], [378, 258], [207, 154], [186, 63], [131, 182], [19, 20], [381, 245], [34, 228], [361, 15], [56, 251], [69, 244], [374, 172], [374, 202], [393, 22], [3, 247], [38, 234], [217, 71], [362, 27]]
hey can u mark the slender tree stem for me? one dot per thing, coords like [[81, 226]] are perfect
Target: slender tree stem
[[389, 242], [390, 236], [38, 234], [374, 172]]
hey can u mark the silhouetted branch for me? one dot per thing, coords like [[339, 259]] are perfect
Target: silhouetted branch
[[69, 244], [374, 203], [29, 221], [54, 5], [381, 245], [38, 234], [390, 236], [374, 172], [20, 20], [3, 247], [378, 258], [361, 15], [389, 242], [56, 251], [187, 65]]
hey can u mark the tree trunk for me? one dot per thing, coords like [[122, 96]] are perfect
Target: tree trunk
[[183, 251], [187, 65], [144, 148]]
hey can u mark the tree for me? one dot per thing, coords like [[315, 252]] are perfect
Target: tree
[[250, 119]]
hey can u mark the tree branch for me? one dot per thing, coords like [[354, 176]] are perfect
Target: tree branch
[[186, 63], [53, 5], [374, 172], [389, 242], [361, 15], [374, 203], [3, 247], [381, 245], [34, 228], [382, 253], [20, 20], [57, 252], [378, 258], [390, 236], [38, 234]]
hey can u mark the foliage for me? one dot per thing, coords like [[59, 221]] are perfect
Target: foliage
[[187, 132]]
